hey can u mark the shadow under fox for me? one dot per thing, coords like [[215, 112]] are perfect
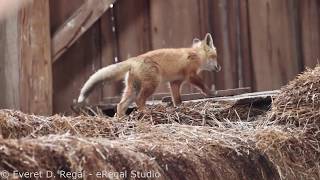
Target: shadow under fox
[[144, 73]]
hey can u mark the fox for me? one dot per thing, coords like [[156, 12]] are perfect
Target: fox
[[144, 73]]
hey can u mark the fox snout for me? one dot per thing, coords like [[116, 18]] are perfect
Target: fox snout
[[217, 68], [213, 65]]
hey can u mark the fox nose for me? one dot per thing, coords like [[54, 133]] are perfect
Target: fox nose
[[217, 68]]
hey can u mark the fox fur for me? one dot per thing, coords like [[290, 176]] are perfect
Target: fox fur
[[144, 73]]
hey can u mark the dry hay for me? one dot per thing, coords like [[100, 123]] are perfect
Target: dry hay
[[179, 152], [297, 106], [15, 124], [299, 101], [198, 113], [200, 140]]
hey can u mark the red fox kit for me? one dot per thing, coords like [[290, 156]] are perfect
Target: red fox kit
[[144, 73]]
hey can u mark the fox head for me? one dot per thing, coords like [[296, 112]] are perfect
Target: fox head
[[209, 50]]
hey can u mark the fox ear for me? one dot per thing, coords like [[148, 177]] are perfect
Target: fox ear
[[208, 39]]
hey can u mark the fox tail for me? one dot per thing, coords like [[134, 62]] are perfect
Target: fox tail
[[110, 73]]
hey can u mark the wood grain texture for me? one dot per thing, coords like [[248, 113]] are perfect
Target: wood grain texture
[[66, 9], [174, 24], [245, 45], [310, 31], [109, 51], [223, 21], [262, 44], [77, 64], [9, 63], [35, 59], [81, 20], [273, 43], [131, 36], [132, 28]]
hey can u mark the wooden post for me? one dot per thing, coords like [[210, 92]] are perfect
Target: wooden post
[[9, 63], [35, 59]]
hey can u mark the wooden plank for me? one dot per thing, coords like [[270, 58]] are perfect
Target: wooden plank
[[109, 51], [66, 9], [245, 46], [273, 43], [204, 26], [174, 24], [74, 69], [166, 97], [77, 64], [219, 93], [261, 100], [9, 63], [3, 80], [131, 36], [132, 28], [256, 99], [35, 59], [77, 25], [223, 20], [310, 31]]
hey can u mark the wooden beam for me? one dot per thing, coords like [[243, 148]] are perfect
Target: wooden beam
[[77, 25], [220, 93], [35, 59], [165, 97]]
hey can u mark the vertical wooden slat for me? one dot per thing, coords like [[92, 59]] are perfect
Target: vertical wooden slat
[[74, 69], [3, 80], [132, 26], [223, 21], [35, 59], [245, 47], [9, 63], [109, 52], [204, 26], [131, 36], [77, 64], [274, 53], [310, 31], [174, 24]]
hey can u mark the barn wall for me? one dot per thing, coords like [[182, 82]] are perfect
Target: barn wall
[[262, 44], [76, 65], [9, 63]]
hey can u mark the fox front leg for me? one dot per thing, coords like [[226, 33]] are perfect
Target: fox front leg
[[198, 82], [175, 92]]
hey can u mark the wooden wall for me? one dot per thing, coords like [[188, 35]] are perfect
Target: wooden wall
[[9, 64], [261, 43], [25, 60]]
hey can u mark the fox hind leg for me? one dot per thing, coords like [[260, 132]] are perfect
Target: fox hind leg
[[146, 91], [128, 97]]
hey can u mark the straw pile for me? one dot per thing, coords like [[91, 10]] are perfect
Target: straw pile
[[199, 140], [297, 107], [299, 102]]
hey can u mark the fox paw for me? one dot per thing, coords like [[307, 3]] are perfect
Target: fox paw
[[210, 93]]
